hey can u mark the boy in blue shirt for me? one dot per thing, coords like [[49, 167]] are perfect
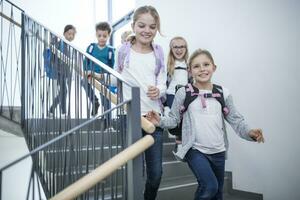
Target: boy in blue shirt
[[103, 53]]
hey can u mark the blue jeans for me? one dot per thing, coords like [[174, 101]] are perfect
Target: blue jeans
[[153, 157], [61, 98], [170, 99], [209, 171], [93, 98]]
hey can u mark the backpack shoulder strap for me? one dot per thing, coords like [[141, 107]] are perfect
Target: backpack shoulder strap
[[110, 55], [159, 58], [123, 56], [90, 48], [189, 97], [217, 89]]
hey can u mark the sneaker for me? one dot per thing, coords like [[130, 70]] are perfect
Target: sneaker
[[50, 115], [63, 115], [95, 108], [177, 148]]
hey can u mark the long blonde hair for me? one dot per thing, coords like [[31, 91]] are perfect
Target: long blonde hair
[[171, 57]]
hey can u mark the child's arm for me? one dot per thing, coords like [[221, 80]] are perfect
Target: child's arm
[[239, 125], [174, 116]]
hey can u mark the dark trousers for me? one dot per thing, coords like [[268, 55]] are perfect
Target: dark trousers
[[61, 97], [170, 99], [209, 171], [153, 158], [89, 91], [93, 98]]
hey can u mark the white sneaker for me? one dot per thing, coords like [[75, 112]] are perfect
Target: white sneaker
[[50, 115], [166, 110], [178, 148]]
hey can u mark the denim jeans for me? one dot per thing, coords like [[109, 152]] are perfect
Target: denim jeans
[[93, 98], [170, 99], [89, 90], [61, 97], [209, 171], [153, 157]]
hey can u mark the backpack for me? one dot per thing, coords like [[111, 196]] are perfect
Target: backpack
[[50, 62], [110, 55], [192, 93]]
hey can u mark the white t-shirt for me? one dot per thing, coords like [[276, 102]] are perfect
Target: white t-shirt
[[140, 72], [180, 77], [207, 124]]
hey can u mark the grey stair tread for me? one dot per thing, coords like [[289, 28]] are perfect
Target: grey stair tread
[[169, 158], [175, 168], [177, 181], [12, 113], [236, 197]]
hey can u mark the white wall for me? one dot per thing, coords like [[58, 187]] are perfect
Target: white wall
[[55, 14], [256, 47], [84, 14]]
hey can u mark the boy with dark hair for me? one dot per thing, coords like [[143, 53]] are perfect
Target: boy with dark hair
[[103, 53]]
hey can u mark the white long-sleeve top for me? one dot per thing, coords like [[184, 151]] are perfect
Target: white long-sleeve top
[[180, 77], [140, 72]]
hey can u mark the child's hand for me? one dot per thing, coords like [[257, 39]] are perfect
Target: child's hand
[[153, 117], [88, 73], [257, 135], [91, 74], [153, 92]]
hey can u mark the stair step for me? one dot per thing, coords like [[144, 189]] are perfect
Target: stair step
[[83, 139], [177, 188], [11, 126], [82, 157], [11, 112], [175, 169]]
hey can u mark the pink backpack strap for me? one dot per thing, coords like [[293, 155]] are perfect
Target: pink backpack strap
[[190, 88]]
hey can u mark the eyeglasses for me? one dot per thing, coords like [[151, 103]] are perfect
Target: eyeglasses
[[179, 47]]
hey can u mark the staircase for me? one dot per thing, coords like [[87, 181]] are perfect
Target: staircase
[[179, 183], [80, 142]]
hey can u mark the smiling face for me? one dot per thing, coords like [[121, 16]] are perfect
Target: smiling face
[[178, 47], [202, 69], [102, 37], [145, 29]]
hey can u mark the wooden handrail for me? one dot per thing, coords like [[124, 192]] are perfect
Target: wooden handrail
[[107, 168], [145, 124]]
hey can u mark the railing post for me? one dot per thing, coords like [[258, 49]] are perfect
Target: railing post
[[135, 184], [0, 185], [23, 83]]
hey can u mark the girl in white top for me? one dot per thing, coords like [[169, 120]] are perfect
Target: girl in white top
[[141, 64], [177, 66]]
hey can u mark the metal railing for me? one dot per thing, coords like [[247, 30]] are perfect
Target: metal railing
[[61, 161], [65, 141], [10, 60]]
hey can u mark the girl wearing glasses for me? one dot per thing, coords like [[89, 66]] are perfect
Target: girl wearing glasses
[[177, 67]]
